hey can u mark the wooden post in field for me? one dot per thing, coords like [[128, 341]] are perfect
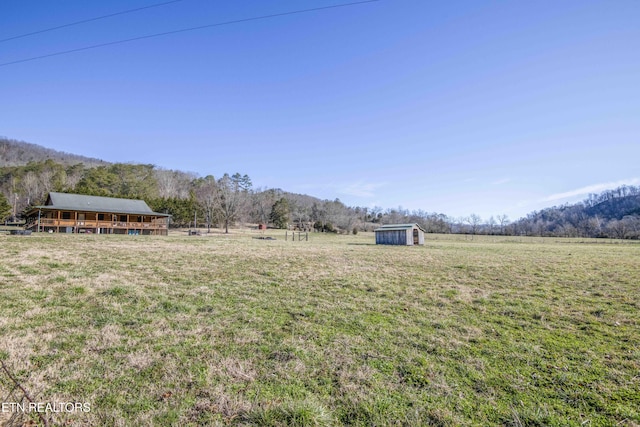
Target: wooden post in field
[[293, 236]]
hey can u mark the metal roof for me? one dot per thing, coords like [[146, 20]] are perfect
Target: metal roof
[[81, 202], [396, 227]]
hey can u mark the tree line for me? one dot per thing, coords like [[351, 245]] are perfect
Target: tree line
[[612, 213], [17, 153], [190, 200], [231, 199]]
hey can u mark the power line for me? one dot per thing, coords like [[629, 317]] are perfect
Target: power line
[[88, 20], [236, 21]]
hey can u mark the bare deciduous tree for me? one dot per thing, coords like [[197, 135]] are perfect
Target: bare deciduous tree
[[232, 197], [503, 220], [31, 188], [173, 184], [474, 221], [206, 192], [262, 201]]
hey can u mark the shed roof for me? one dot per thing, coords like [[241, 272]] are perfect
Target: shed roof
[[396, 227], [81, 202]]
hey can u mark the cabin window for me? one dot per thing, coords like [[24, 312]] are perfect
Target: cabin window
[[123, 218], [66, 215], [100, 217]]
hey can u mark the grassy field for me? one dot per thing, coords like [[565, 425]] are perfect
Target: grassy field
[[231, 330]]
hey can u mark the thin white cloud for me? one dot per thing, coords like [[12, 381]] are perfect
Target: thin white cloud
[[331, 189], [595, 188], [360, 189], [501, 181]]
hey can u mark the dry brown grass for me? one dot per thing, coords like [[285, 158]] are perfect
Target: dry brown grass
[[230, 330]]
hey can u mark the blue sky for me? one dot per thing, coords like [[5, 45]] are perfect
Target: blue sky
[[453, 107]]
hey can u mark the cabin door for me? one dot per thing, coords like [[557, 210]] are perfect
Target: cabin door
[[416, 240]]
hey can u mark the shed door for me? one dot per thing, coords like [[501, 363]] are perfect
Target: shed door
[[416, 237]]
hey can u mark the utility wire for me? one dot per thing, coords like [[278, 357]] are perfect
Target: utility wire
[[236, 21], [88, 20]]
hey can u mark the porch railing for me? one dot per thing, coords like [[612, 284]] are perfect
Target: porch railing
[[49, 222]]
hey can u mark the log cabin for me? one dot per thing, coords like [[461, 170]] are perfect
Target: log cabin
[[78, 213]]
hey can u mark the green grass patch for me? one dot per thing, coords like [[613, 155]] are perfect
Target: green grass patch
[[230, 330]]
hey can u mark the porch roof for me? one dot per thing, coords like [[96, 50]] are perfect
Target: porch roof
[[84, 203]]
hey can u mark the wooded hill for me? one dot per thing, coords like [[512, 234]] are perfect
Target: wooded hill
[[28, 172], [19, 153], [612, 213]]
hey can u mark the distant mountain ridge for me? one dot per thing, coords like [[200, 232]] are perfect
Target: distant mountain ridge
[[20, 153], [612, 213], [28, 171], [616, 208]]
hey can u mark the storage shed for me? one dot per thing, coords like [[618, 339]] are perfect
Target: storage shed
[[400, 234]]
